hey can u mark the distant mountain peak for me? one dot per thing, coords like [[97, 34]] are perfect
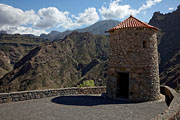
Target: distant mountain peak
[[157, 13], [3, 32], [97, 28], [169, 45]]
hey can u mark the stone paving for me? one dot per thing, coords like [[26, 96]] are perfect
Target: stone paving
[[79, 107]]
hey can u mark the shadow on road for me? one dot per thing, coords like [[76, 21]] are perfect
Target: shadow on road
[[84, 100]]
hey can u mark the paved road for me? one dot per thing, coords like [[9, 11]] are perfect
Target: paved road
[[84, 107]]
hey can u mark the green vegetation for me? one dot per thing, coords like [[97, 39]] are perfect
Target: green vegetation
[[87, 83], [61, 63], [78, 57], [13, 48]]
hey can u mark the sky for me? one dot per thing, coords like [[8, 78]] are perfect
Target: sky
[[43, 16]]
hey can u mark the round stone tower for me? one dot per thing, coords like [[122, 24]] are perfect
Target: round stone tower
[[133, 62]]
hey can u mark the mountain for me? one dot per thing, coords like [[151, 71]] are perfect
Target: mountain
[[5, 65], [80, 56], [3, 32], [55, 35], [62, 63], [171, 75], [90, 57], [169, 46], [98, 28], [13, 48]]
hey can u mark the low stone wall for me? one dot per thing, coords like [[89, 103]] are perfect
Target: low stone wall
[[37, 94], [173, 102], [172, 98]]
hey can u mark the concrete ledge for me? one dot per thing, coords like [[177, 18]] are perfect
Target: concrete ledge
[[173, 102], [37, 94]]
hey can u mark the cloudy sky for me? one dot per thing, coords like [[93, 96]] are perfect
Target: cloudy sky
[[43, 16]]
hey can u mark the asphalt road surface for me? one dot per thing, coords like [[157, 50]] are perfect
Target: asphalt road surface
[[80, 107]]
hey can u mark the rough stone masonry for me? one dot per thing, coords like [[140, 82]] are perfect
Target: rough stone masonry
[[133, 66]]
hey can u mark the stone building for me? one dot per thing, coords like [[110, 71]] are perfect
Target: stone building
[[133, 67]]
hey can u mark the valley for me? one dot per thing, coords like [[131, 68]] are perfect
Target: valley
[[67, 59]]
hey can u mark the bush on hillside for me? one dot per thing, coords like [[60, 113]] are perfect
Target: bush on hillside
[[87, 83]]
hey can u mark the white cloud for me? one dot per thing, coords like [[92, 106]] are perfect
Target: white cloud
[[149, 4], [14, 16], [171, 9], [52, 17], [89, 16], [18, 20], [15, 20], [115, 10], [22, 30]]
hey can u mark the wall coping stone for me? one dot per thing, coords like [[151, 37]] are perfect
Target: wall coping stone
[[37, 94], [173, 111]]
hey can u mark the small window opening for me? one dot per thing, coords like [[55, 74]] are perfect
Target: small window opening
[[136, 33], [144, 44]]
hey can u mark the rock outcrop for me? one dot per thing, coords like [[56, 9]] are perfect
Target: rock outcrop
[[169, 46], [57, 64]]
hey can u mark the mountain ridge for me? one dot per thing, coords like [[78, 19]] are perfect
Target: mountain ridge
[[63, 63], [97, 28], [13, 48], [83, 56], [169, 46]]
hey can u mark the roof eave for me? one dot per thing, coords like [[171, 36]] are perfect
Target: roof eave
[[112, 30]]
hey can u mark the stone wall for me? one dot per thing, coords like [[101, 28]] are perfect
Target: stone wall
[[172, 98], [37, 94], [173, 101], [134, 51]]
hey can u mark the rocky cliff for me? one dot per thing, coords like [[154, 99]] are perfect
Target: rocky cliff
[[169, 46], [78, 57], [63, 63], [13, 48]]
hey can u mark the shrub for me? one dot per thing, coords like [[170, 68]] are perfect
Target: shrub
[[87, 83]]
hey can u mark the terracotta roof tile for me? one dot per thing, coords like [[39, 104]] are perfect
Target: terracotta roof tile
[[132, 22]]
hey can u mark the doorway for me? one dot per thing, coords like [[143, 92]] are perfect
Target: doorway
[[122, 86]]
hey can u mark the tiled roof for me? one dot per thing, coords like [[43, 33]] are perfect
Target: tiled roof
[[132, 22]]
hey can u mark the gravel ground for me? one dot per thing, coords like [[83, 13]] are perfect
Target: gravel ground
[[82, 107]]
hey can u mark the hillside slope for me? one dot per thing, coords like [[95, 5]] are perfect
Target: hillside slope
[[83, 56], [5, 65], [63, 63], [169, 46], [13, 48]]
